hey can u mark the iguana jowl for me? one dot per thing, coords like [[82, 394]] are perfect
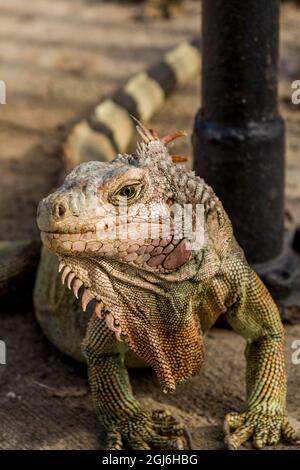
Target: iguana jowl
[[158, 297]]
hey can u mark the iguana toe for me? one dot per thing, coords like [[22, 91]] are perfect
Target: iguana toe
[[145, 432], [114, 441], [266, 428], [289, 433]]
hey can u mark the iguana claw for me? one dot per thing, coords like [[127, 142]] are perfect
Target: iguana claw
[[156, 431], [263, 428]]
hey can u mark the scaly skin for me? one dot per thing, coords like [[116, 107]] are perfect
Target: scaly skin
[[158, 297]]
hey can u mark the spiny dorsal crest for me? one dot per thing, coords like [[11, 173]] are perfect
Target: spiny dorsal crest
[[153, 150]]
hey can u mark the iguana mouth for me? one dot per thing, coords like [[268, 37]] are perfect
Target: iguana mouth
[[66, 242], [57, 233], [161, 254], [74, 236]]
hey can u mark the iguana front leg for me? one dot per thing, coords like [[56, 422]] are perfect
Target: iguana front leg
[[256, 317], [126, 423]]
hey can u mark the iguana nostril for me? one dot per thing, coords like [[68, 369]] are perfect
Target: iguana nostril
[[59, 210]]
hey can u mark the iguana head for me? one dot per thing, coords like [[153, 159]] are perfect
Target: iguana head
[[120, 210], [112, 219]]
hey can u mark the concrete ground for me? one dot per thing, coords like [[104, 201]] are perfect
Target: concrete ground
[[58, 58]]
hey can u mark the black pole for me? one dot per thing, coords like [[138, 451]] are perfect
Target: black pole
[[239, 135]]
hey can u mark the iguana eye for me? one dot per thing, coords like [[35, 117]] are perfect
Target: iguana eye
[[128, 192]]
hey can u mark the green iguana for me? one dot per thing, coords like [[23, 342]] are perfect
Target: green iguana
[[157, 296]]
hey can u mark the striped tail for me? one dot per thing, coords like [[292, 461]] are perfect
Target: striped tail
[[110, 129]]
